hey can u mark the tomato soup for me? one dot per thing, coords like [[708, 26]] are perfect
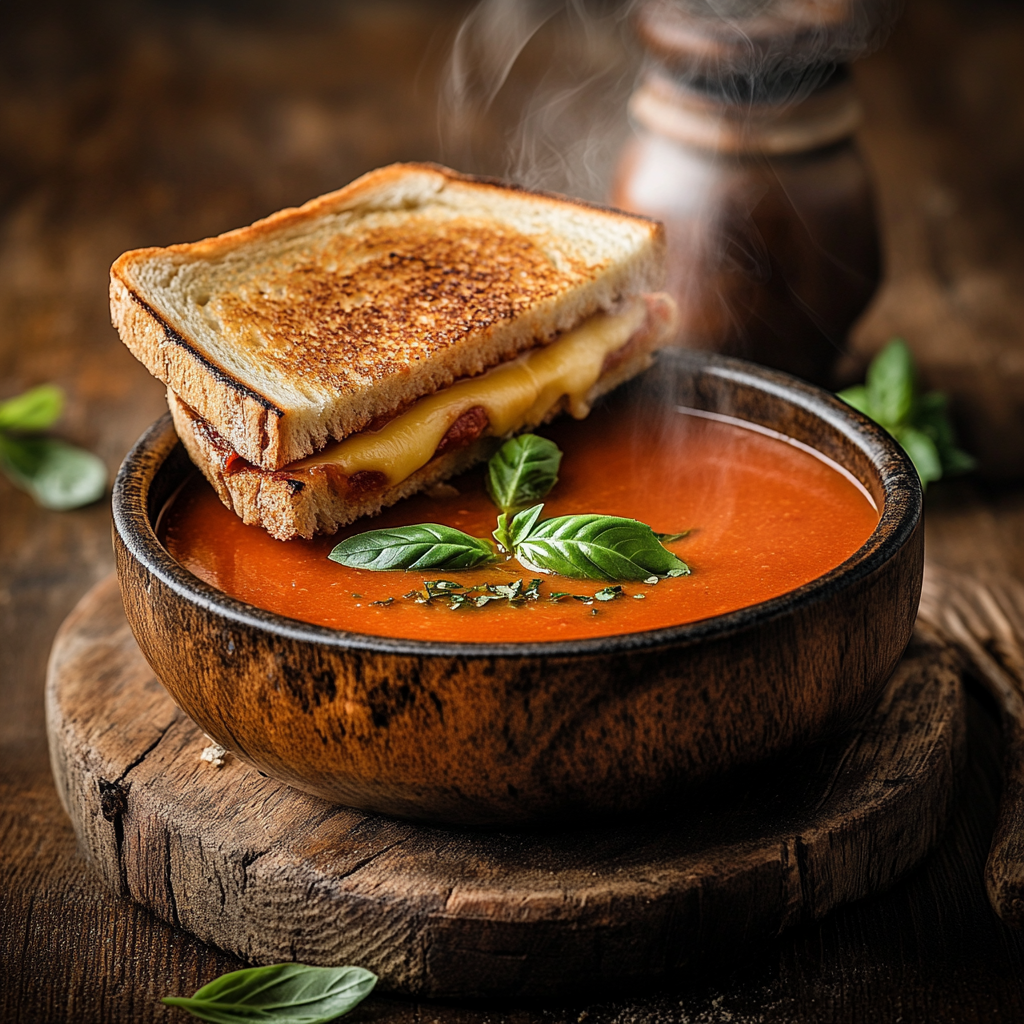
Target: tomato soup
[[764, 517]]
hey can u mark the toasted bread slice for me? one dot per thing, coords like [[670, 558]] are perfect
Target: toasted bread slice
[[318, 321], [301, 500]]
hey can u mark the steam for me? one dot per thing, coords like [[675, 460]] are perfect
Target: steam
[[535, 91]]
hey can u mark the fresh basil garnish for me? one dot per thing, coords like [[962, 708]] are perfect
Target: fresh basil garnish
[[511, 531], [592, 547], [919, 422], [668, 538], [58, 475], [425, 546], [522, 471], [280, 994]]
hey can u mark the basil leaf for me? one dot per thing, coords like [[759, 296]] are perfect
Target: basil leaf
[[890, 384], [501, 535], [58, 475], [523, 470], [922, 451], [35, 409], [281, 994], [668, 538], [594, 547], [857, 396], [930, 417], [425, 546], [520, 527]]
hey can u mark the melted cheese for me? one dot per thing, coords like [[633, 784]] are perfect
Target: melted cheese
[[515, 395]]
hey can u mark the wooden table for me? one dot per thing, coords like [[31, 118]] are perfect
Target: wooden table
[[126, 125]]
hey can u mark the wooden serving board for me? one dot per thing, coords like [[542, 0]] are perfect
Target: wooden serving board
[[271, 874]]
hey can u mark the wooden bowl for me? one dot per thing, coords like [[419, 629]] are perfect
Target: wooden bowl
[[496, 733]]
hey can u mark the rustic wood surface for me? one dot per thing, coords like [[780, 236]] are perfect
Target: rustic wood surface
[[273, 874], [983, 616], [128, 125]]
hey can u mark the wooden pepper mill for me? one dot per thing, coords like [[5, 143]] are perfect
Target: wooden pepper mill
[[744, 147]]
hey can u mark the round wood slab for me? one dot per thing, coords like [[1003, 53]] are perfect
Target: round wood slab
[[272, 874]]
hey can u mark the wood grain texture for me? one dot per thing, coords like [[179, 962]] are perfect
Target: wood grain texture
[[983, 617], [272, 874]]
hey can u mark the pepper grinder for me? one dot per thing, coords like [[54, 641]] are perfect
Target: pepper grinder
[[744, 147]]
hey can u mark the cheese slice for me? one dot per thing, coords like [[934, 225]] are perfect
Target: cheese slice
[[516, 395]]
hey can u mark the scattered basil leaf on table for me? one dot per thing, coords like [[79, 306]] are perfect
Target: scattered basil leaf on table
[[593, 547], [57, 474], [35, 409], [425, 546], [522, 471], [890, 397], [890, 383], [280, 994]]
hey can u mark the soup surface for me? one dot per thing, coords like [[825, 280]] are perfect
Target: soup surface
[[764, 518]]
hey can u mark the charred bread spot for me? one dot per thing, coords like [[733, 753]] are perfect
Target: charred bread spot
[[295, 486], [465, 430]]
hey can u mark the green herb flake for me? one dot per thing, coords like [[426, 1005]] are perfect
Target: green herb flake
[[608, 594], [279, 994], [385, 603], [558, 595]]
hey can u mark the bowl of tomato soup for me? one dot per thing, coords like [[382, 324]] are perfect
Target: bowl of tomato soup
[[403, 693]]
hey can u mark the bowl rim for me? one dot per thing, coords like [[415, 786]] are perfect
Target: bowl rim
[[896, 524]]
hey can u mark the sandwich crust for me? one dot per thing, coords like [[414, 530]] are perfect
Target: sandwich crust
[[313, 323]]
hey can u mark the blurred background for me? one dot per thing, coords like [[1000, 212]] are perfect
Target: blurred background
[[127, 123]]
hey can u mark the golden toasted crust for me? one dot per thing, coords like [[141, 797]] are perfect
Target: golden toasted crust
[[312, 323]]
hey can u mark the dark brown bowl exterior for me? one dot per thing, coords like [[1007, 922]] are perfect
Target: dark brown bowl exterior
[[501, 734]]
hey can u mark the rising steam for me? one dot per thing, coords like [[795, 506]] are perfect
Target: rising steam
[[536, 90]]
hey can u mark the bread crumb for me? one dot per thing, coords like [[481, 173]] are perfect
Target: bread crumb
[[214, 753]]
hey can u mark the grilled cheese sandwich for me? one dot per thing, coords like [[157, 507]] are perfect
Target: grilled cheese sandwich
[[330, 360]]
